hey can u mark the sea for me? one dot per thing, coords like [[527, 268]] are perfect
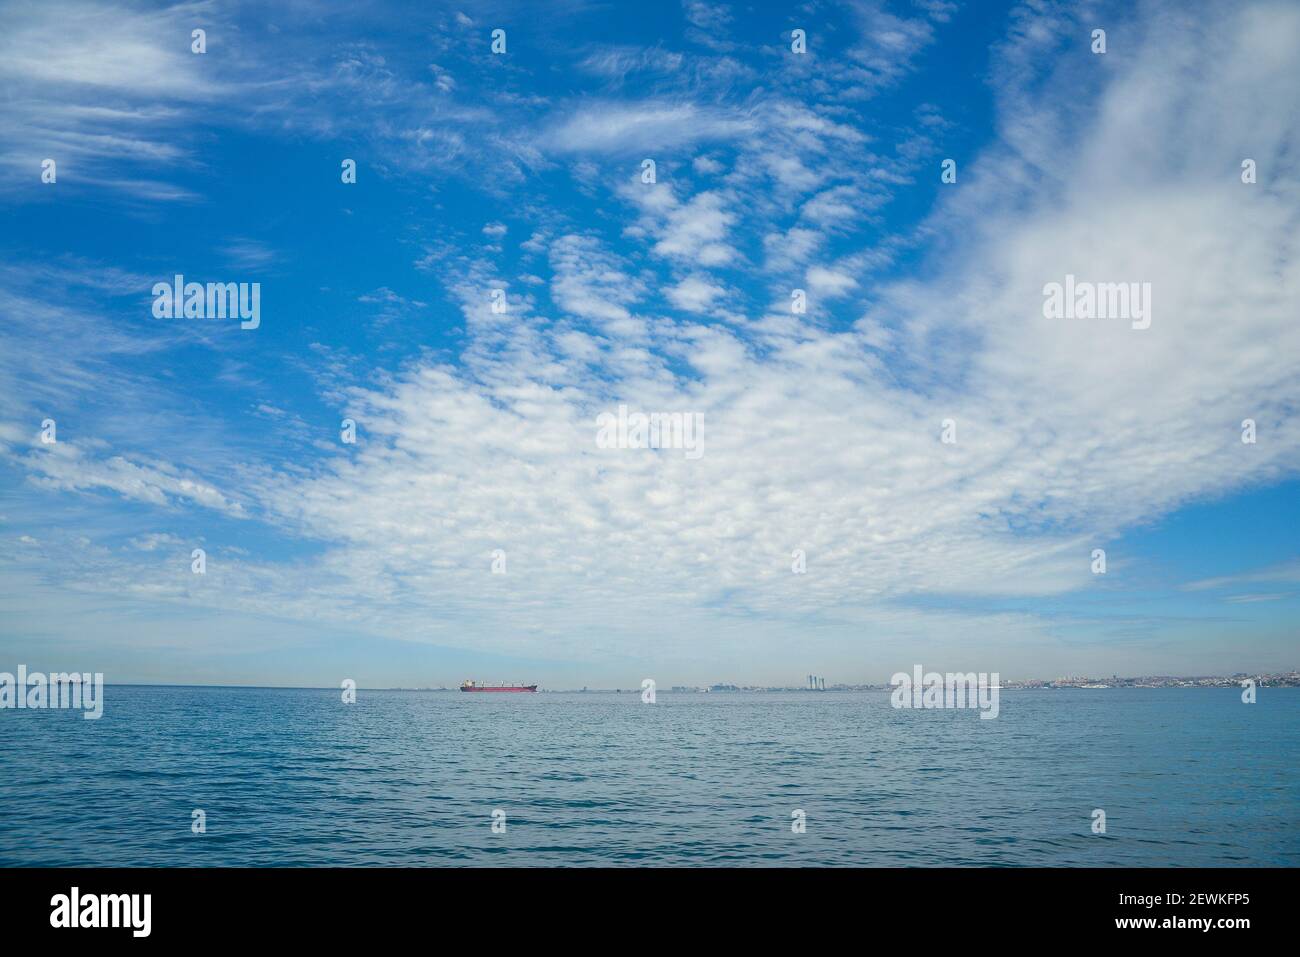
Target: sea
[[297, 777]]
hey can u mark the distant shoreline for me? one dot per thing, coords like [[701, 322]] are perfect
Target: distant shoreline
[[1276, 680]]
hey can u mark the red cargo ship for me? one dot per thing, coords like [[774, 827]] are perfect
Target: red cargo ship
[[475, 686]]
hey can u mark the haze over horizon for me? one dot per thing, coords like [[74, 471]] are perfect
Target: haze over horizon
[[477, 528]]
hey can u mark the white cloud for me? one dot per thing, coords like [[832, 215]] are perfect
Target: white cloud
[[589, 283], [889, 44], [706, 165], [155, 540], [694, 294], [696, 231], [65, 467], [640, 127], [1068, 433], [1287, 572], [96, 87], [249, 254], [828, 283]]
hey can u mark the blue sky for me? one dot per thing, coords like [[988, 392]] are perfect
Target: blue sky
[[476, 431]]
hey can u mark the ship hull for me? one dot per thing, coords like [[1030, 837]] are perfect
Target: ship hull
[[524, 688]]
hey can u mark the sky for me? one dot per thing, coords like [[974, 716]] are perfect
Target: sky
[[822, 431]]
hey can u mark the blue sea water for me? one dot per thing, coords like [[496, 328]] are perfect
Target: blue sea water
[[296, 777]]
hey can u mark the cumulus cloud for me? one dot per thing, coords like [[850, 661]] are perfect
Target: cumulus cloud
[[694, 294], [696, 231]]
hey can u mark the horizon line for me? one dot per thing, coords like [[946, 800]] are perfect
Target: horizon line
[[849, 685]]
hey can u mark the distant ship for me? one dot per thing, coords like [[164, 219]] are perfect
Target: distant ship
[[468, 685]]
